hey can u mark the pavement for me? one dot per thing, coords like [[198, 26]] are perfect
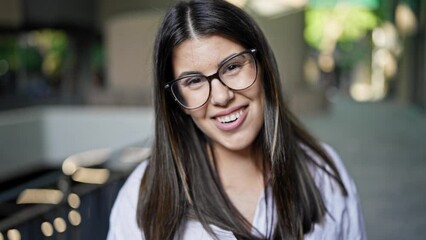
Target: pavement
[[383, 146]]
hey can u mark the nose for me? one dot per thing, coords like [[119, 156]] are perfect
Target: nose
[[220, 94]]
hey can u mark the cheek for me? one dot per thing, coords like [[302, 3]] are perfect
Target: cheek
[[200, 121], [197, 114], [257, 91]]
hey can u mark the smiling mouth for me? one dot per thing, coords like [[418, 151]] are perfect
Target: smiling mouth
[[230, 117]]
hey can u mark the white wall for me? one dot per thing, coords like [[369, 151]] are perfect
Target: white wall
[[21, 141], [129, 42], [47, 135]]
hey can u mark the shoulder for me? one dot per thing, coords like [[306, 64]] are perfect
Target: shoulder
[[341, 168], [344, 218], [128, 195], [324, 181], [123, 224]]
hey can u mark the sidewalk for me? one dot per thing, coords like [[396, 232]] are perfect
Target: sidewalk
[[384, 148]]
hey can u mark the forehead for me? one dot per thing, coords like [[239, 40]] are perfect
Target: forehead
[[203, 54]]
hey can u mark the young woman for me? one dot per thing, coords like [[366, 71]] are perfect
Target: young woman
[[229, 160]]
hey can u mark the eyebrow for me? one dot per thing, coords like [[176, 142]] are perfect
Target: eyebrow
[[186, 73]]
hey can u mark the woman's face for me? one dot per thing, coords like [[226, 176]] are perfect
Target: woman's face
[[231, 119]]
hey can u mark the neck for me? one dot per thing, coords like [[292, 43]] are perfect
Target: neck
[[238, 168]]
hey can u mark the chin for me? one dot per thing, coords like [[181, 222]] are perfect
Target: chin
[[236, 145]]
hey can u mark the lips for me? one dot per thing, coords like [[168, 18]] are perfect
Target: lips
[[230, 119]]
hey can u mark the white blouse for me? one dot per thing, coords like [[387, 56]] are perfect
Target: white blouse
[[343, 220]]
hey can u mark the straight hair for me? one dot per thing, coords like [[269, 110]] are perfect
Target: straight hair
[[180, 182]]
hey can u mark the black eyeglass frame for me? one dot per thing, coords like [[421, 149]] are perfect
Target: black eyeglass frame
[[209, 78]]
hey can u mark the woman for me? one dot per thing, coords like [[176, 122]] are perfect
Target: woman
[[229, 160]]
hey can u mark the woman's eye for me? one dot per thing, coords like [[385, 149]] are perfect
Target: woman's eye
[[233, 67], [193, 82]]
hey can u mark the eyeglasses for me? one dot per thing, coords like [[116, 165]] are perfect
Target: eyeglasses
[[238, 72]]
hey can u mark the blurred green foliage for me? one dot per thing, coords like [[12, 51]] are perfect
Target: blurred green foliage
[[35, 51], [352, 23], [371, 4], [9, 50], [53, 45]]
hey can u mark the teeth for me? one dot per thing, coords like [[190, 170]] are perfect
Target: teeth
[[230, 118]]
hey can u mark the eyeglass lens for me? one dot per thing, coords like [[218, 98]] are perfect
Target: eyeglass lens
[[237, 73]]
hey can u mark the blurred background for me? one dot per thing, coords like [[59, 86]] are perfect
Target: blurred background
[[76, 104]]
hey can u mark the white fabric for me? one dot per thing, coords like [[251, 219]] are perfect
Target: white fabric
[[344, 220]]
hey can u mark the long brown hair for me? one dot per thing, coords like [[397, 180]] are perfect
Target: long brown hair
[[180, 183]]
